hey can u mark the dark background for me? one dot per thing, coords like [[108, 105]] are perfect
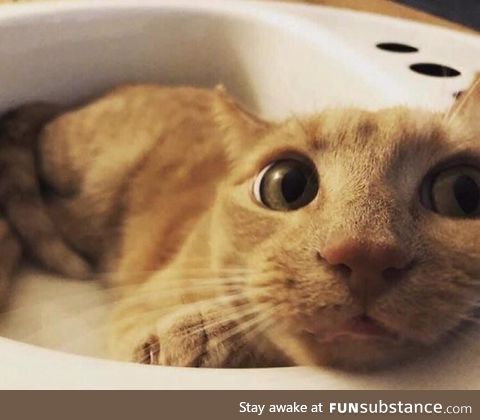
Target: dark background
[[466, 12]]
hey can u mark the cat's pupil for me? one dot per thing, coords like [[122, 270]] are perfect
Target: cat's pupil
[[467, 193], [293, 185], [454, 192], [287, 184]]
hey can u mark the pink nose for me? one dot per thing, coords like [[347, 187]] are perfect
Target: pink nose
[[368, 267]]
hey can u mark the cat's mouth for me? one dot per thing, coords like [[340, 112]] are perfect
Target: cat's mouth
[[366, 326], [358, 327]]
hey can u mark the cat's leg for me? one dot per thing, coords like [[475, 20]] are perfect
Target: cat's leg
[[192, 343], [141, 334], [21, 197], [10, 256], [189, 341], [204, 340]]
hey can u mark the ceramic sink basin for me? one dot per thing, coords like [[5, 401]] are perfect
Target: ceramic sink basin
[[280, 59]]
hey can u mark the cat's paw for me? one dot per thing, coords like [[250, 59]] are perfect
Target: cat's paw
[[206, 338], [184, 343], [148, 352]]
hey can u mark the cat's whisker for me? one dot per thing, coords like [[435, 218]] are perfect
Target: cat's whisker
[[92, 311], [227, 287], [240, 329], [458, 105], [233, 314], [247, 332], [259, 327], [250, 325], [211, 277], [165, 316], [164, 279], [158, 300], [83, 306], [255, 331], [177, 309], [196, 269], [248, 335], [235, 303], [182, 290]]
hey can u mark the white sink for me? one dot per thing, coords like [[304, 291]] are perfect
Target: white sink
[[280, 59]]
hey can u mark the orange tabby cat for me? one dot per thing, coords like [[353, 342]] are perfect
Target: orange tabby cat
[[347, 238]]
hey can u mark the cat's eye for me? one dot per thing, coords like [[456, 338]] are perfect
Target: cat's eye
[[454, 192], [286, 184]]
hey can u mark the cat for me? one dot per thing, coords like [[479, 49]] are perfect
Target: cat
[[347, 238]]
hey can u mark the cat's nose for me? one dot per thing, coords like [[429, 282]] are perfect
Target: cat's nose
[[369, 268]]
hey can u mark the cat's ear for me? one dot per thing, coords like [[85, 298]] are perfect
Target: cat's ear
[[241, 128], [467, 105]]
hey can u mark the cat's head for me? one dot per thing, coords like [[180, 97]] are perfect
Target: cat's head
[[362, 230]]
